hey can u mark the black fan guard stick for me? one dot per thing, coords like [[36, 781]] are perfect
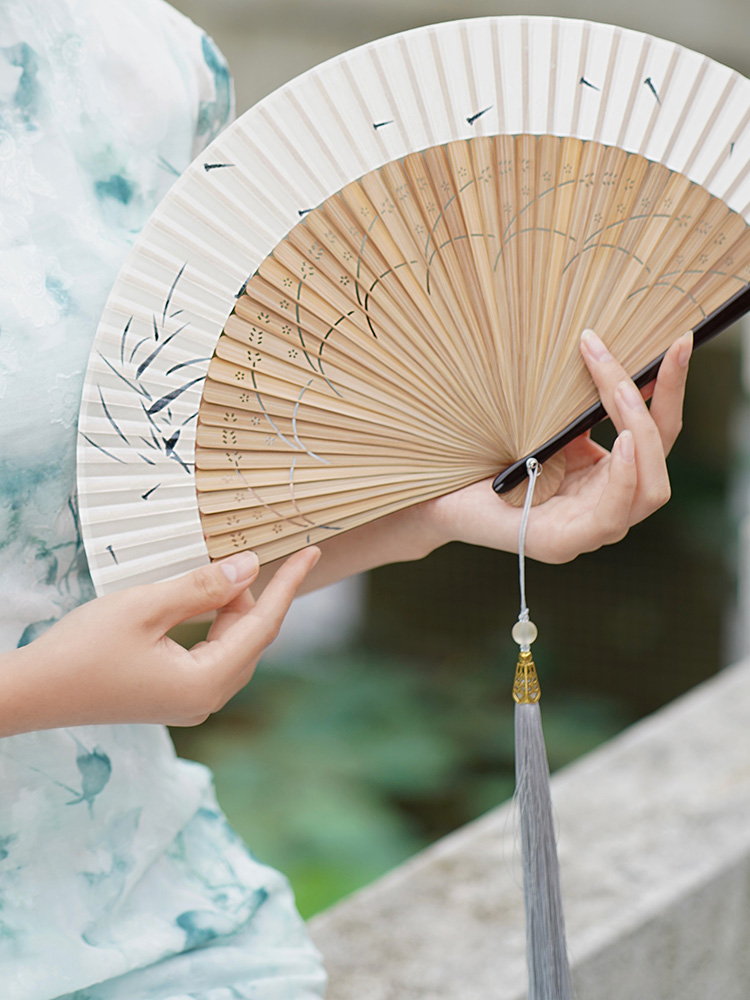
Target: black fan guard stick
[[728, 313]]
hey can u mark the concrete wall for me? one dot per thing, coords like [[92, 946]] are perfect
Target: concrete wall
[[654, 840]]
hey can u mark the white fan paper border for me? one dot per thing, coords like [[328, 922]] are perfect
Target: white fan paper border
[[253, 184]]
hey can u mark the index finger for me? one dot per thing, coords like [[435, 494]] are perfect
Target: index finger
[[280, 590], [669, 390], [234, 654], [606, 371], [247, 637]]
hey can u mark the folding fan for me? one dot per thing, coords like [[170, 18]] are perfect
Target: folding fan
[[369, 291]]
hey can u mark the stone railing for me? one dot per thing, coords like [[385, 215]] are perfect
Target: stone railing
[[654, 831]]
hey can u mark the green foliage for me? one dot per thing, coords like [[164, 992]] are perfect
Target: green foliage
[[334, 770]]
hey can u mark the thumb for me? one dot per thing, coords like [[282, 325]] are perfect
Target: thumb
[[205, 589]]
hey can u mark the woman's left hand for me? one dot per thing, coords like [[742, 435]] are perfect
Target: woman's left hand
[[603, 493]]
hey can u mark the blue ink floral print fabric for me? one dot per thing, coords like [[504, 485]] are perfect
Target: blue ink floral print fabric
[[119, 877]]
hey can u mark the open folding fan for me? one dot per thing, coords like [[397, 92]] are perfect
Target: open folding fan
[[369, 290]]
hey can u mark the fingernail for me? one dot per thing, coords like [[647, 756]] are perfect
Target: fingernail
[[594, 346], [629, 395], [685, 349], [240, 567], [627, 446]]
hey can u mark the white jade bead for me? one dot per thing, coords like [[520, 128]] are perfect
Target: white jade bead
[[524, 633]]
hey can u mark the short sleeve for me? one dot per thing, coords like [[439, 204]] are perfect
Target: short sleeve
[[103, 104], [214, 92]]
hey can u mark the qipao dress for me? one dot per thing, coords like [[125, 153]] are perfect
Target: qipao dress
[[120, 878]]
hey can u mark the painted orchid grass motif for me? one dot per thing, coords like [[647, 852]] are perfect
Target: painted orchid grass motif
[[138, 366]]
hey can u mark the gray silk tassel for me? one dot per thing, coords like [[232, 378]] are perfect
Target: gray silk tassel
[[546, 951]]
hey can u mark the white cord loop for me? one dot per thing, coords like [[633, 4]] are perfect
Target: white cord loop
[[524, 631]]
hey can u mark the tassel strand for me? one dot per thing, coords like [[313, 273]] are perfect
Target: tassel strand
[[546, 949]]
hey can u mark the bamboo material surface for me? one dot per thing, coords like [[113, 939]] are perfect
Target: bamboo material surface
[[419, 330]]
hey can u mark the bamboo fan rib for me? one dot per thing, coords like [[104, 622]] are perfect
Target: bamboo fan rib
[[369, 290], [419, 330]]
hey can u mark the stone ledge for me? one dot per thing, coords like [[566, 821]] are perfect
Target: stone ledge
[[654, 832]]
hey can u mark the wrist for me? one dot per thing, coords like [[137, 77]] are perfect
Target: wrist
[[474, 515], [425, 527]]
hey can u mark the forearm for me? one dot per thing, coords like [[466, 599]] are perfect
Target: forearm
[[52, 683], [401, 537], [25, 694]]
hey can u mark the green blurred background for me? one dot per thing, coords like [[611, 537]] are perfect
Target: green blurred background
[[334, 767], [339, 763]]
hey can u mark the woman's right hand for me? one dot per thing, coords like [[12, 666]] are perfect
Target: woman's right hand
[[111, 660]]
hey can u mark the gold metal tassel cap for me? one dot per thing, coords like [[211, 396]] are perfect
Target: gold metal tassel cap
[[526, 689]]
